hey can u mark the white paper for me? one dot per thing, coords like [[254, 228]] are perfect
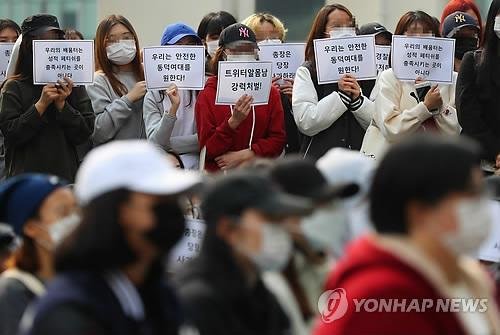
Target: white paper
[[382, 57], [189, 246], [238, 78], [5, 51], [182, 65], [286, 58], [430, 58], [353, 55], [56, 59]]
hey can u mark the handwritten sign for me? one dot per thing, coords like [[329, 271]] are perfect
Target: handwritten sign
[[286, 58], [179, 64], [5, 51], [238, 78], [353, 55], [430, 58], [56, 59], [189, 246], [382, 56]]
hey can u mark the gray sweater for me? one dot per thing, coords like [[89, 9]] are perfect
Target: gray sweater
[[117, 118]]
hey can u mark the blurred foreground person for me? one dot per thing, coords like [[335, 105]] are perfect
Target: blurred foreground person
[[429, 210], [42, 211], [221, 290], [110, 269]]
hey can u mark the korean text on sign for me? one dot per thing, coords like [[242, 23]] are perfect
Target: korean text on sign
[[382, 56], [238, 78], [181, 65], [286, 58], [56, 59], [190, 244], [430, 58], [5, 51], [336, 57]]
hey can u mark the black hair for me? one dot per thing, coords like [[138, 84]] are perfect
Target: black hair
[[99, 242], [489, 55], [424, 169], [8, 23], [72, 31], [214, 23]]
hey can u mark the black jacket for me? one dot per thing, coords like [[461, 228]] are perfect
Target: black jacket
[[293, 136], [48, 143], [217, 299], [478, 107]]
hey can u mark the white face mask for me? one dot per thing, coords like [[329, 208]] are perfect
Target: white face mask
[[241, 57], [212, 47], [496, 27], [474, 224], [275, 250], [121, 53], [326, 229], [60, 229], [270, 41], [343, 32]]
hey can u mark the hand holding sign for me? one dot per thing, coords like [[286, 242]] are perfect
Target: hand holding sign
[[433, 100], [49, 94], [349, 85], [137, 92], [175, 100], [64, 89], [240, 111]]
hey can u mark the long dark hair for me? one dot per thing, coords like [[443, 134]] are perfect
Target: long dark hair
[[99, 242], [489, 55], [428, 22], [214, 24], [8, 23]]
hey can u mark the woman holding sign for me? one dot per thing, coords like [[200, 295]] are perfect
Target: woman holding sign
[[331, 115], [236, 134], [169, 114], [403, 108], [119, 87]]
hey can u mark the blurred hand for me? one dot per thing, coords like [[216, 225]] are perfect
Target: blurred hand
[[233, 159], [137, 92], [433, 98], [240, 110], [49, 94], [64, 90], [349, 85]]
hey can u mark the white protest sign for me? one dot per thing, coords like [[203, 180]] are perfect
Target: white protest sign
[[237, 78], [56, 59], [5, 51], [382, 56], [182, 65], [430, 58], [490, 249], [189, 246], [353, 55], [286, 58]]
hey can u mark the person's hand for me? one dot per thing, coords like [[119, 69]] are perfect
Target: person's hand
[[497, 161], [286, 87], [349, 85], [137, 92], [175, 100], [64, 89], [233, 159], [49, 94], [240, 111], [433, 99]]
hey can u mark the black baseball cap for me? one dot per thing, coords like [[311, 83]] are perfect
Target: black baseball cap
[[40, 23], [456, 21], [232, 194], [374, 28], [236, 32], [301, 177]]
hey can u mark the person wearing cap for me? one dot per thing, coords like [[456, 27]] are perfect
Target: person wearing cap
[[42, 125], [427, 226], [477, 91], [299, 285], [330, 115], [465, 30], [42, 211], [233, 135], [465, 6], [222, 291], [110, 269], [118, 89], [404, 108], [169, 114]]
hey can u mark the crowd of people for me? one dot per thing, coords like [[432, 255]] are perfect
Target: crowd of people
[[361, 190]]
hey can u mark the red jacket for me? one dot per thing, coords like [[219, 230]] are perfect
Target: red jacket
[[367, 271], [215, 134]]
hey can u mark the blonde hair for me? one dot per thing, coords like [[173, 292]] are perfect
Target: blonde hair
[[256, 19]]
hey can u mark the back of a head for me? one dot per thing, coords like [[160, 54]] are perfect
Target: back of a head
[[424, 169]]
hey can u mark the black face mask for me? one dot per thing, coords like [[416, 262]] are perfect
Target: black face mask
[[170, 224], [465, 44]]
